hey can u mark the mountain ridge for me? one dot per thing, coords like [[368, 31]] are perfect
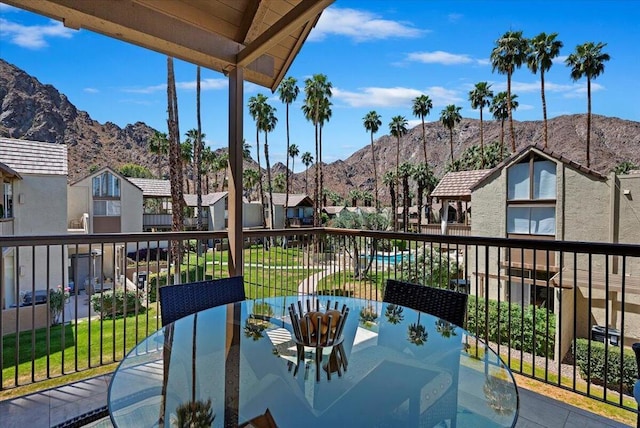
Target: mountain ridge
[[36, 111]]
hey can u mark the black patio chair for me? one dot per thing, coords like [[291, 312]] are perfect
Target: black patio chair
[[180, 300], [445, 304], [636, 389]]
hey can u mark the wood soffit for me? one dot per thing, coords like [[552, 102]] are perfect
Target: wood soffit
[[262, 36]]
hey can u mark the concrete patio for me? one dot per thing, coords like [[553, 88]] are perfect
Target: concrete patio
[[55, 406]]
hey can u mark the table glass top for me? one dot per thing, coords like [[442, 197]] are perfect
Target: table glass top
[[238, 363]]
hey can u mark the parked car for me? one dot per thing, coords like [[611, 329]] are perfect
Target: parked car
[[41, 298]]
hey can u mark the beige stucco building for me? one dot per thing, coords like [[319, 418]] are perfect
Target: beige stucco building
[[34, 202], [537, 194]]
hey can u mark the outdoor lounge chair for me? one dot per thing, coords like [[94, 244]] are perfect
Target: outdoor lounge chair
[[445, 304], [180, 300]]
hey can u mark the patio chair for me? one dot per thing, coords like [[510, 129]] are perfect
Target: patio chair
[[445, 304], [180, 300], [636, 389]]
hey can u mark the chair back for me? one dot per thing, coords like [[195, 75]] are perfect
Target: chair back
[[180, 300], [445, 304], [636, 389]]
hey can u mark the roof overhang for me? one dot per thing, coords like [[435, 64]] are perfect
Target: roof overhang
[[596, 280], [261, 36], [6, 171]]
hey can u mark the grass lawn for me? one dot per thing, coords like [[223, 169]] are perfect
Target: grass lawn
[[79, 342]]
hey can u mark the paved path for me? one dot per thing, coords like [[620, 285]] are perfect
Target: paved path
[[309, 285]]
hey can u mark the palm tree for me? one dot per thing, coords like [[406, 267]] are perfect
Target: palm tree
[[175, 167], [509, 53], [405, 171], [389, 179], [501, 112], [372, 124], [268, 124], [367, 198], [417, 333], [480, 98], [588, 60], [425, 180], [543, 49], [449, 116], [186, 156], [316, 109], [195, 138], [256, 105], [307, 160], [159, 145], [354, 195], [288, 91], [280, 182], [422, 106], [250, 178], [397, 128], [294, 151], [208, 161]]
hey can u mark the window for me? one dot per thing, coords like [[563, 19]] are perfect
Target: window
[[106, 185], [106, 208], [531, 194], [6, 205]]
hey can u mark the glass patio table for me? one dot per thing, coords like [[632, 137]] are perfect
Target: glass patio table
[[238, 365]]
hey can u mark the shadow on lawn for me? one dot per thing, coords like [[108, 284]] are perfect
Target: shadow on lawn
[[61, 336]]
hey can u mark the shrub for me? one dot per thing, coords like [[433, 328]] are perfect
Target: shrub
[[399, 244], [606, 363], [525, 335], [113, 303]]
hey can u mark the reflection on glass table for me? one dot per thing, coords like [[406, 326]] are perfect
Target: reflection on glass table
[[233, 364]]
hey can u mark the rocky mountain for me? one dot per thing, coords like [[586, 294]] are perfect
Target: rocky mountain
[[36, 111]]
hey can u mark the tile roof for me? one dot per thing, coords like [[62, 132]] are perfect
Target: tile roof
[[153, 187], [295, 199], [207, 200], [7, 171], [457, 185], [34, 157]]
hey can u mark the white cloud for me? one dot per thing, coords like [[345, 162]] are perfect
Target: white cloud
[[560, 59], [360, 26], [205, 85], [91, 90], [439, 57], [412, 123], [455, 17], [524, 107], [395, 96], [34, 36]]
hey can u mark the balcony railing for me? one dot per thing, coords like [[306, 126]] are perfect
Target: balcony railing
[[558, 312]]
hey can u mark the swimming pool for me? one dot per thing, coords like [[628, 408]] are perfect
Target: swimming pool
[[390, 258]]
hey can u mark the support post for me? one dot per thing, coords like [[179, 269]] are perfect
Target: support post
[[236, 97]]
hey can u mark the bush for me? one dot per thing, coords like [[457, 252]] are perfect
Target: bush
[[520, 329], [606, 363], [399, 244], [110, 307]]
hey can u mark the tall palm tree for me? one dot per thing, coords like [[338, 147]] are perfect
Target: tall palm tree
[[195, 138], [543, 48], [480, 98], [405, 171], [294, 152], [222, 164], [280, 182], [288, 91], [256, 105], [588, 60], [372, 124], [175, 166], [307, 160], [509, 54], [186, 156], [397, 128], [355, 195], [159, 146], [268, 124], [500, 112], [316, 105], [449, 116], [422, 106], [389, 179]]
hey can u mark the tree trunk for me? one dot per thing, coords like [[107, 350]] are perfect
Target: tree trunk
[[375, 173], [198, 155], [269, 183], [588, 121], [451, 143], [286, 198], [513, 135], [502, 139], [260, 188], [544, 108], [175, 170], [481, 141], [397, 177]]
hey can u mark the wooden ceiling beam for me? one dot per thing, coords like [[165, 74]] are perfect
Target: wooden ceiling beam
[[304, 12]]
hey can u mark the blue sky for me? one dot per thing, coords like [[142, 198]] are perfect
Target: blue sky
[[378, 55]]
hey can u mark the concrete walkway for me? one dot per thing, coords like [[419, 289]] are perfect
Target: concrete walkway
[[52, 407]]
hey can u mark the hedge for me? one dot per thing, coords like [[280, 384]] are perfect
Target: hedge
[[608, 363], [105, 304], [519, 331]]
